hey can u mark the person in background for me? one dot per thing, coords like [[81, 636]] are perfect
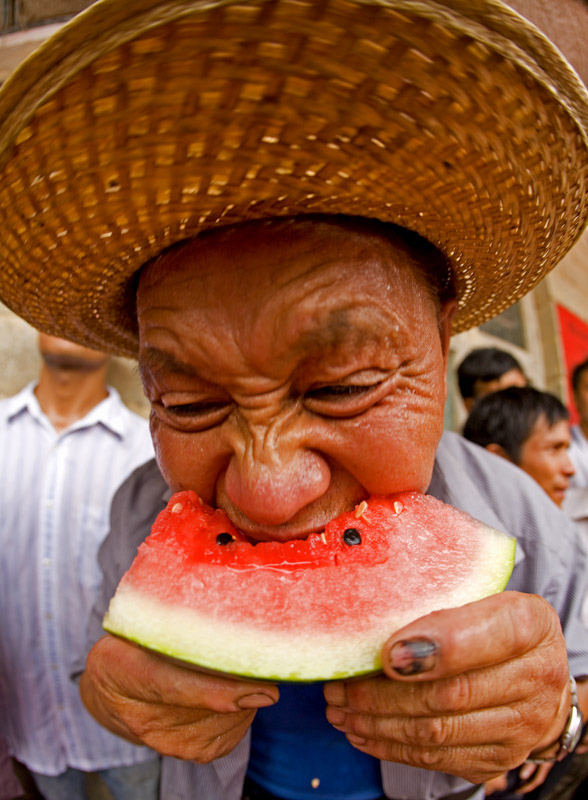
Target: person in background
[[531, 429], [66, 443], [485, 370], [579, 446]]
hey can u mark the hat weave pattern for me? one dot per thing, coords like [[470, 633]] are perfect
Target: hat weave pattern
[[166, 119]]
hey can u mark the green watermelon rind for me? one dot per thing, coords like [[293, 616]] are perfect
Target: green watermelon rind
[[198, 640]]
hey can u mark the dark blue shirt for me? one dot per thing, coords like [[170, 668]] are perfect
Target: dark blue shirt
[[297, 754]]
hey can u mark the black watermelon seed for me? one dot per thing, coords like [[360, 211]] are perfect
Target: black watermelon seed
[[224, 538], [352, 536]]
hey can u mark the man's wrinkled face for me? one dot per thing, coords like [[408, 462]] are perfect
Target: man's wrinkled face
[[292, 370], [545, 456]]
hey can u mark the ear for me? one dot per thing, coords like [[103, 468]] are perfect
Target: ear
[[498, 450], [448, 310]]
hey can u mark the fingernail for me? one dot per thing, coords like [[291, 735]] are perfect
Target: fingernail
[[413, 656], [335, 693], [353, 739], [336, 716], [255, 701]]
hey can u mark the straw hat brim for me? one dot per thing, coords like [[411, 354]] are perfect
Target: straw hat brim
[[145, 122]]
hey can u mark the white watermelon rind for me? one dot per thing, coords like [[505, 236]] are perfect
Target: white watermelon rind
[[193, 637]]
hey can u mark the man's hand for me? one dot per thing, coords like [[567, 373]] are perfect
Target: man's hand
[[469, 691], [177, 711]]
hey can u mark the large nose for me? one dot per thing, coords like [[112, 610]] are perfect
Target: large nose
[[271, 477]]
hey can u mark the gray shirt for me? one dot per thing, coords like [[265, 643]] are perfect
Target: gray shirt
[[579, 454], [551, 561]]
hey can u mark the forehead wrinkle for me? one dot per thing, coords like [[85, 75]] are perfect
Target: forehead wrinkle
[[380, 272], [343, 333], [154, 360]]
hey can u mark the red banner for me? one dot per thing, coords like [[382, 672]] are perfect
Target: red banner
[[573, 333]]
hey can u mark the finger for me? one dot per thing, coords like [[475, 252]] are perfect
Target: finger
[[479, 689], [200, 737], [476, 635], [533, 778], [498, 725], [475, 764], [498, 784], [128, 670]]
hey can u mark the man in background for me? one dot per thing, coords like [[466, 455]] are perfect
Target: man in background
[[485, 370], [66, 443], [579, 446], [531, 429]]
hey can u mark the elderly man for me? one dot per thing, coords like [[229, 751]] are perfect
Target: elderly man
[[204, 212]]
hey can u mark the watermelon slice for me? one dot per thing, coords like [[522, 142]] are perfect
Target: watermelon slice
[[303, 610]]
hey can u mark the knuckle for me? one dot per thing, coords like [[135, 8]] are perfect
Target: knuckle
[[428, 758], [434, 730], [140, 727], [427, 731], [211, 752], [533, 620], [358, 724], [557, 672], [450, 695]]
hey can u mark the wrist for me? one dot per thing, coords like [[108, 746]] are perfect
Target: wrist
[[571, 733]]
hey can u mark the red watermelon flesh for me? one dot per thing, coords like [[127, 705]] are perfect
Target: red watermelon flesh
[[314, 609]]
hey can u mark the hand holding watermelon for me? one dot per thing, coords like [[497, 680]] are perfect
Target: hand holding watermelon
[[473, 670], [473, 712], [472, 700], [176, 711]]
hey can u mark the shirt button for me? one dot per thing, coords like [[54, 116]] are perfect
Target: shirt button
[[46, 562]]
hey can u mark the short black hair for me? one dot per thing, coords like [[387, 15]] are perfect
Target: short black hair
[[507, 417], [484, 364], [577, 373]]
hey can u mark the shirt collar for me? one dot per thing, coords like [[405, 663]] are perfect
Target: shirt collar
[[110, 412]]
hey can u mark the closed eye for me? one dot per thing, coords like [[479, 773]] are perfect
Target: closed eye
[[345, 399], [339, 391], [193, 417], [194, 409]]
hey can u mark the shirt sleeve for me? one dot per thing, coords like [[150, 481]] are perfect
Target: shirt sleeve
[[134, 508], [551, 558]]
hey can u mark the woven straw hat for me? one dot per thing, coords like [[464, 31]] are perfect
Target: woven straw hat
[[144, 122]]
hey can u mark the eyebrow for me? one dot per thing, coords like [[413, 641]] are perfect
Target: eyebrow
[[152, 359], [339, 329]]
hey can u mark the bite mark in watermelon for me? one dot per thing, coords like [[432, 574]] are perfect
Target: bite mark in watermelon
[[303, 610]]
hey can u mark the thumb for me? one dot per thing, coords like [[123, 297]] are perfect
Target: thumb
[[473, 636]]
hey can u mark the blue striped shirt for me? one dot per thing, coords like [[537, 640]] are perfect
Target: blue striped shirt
[[55, 495]]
